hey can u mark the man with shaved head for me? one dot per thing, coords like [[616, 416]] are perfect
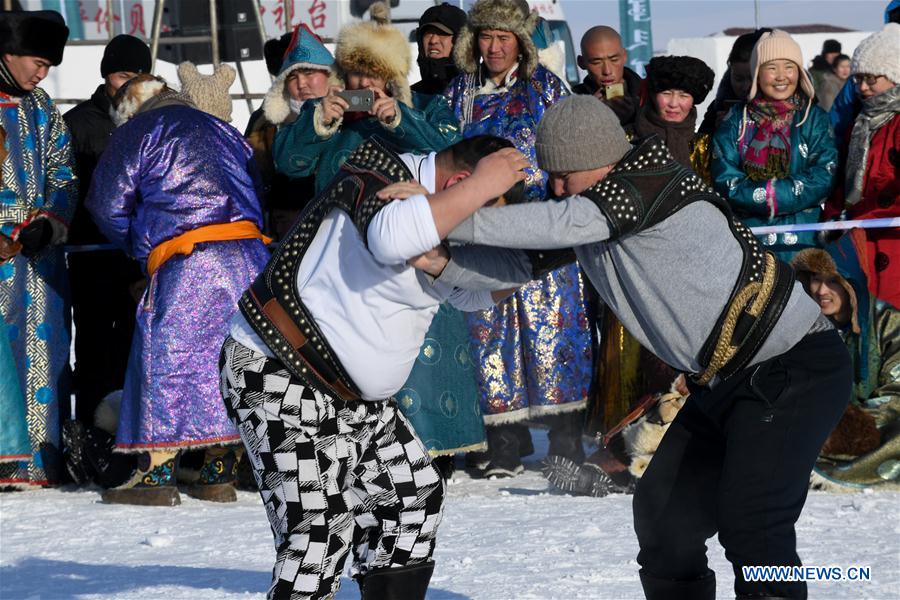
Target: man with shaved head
[[604, 58]]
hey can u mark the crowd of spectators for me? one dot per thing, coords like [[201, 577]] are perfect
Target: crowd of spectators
[[189, 203]]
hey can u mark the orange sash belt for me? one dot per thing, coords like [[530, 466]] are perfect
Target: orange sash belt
[[184, 243]]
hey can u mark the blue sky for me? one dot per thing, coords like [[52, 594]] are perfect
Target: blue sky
[[676, 18]]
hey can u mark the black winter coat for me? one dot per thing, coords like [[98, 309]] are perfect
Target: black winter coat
[[90, 125]]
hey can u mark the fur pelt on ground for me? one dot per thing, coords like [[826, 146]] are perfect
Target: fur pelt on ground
[[856, 434]]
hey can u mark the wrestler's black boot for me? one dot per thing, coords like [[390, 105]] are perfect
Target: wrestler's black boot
[[565, 436], [656, 588], [503, 447], [402, 583]]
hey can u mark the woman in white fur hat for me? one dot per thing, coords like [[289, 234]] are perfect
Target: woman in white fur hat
[[371, 55]]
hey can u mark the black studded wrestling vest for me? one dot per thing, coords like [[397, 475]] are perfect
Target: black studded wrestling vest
[[272, 305], [646, 187]]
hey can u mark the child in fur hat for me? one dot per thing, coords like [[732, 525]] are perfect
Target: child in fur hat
[[864, 448], [373, 56], [774, 158], [303, 73]]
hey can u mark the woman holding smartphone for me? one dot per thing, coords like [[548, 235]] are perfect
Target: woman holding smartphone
[[372, 60]]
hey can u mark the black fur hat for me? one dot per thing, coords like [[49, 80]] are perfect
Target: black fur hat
[[40, 33], [680, 73], [274, 50]]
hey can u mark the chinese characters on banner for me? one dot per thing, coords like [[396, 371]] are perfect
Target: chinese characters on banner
[[637, 37], [319, 15], [135, 17], [128, 16]]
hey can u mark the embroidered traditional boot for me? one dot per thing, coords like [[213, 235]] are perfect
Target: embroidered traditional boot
[[153, 483], [217, 475]]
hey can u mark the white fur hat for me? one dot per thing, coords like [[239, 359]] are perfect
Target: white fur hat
[[376, 48], [879, 54]]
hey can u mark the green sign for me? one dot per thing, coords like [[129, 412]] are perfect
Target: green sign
[[637, 37]]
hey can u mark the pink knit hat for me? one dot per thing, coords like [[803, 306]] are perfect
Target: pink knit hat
[[775, 45]]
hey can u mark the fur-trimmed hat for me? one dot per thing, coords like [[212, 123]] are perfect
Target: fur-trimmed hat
[[376, 48], [879, 54], [814, 261], [41, 33], [274, 51], [504, 15], [305, 50], [141, 94], [208, 92], [685, 73]]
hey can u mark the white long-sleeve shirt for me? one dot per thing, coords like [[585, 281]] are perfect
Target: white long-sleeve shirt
[[371, 306]]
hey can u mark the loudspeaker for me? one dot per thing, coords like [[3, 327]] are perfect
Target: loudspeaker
[[181, 14], [238, 32], [236, 42]]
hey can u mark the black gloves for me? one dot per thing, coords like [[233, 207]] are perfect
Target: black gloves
[[35, 236]]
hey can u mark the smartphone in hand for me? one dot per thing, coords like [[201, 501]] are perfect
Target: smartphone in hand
[[614, 91], [358, 100]]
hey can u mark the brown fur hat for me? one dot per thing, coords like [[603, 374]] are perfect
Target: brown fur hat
[[143, 93], [813, 261], [504, 15], [376, 48]]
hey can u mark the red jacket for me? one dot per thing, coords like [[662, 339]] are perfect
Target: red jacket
[[880, 199]]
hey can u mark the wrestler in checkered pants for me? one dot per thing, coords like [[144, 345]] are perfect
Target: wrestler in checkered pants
[[334, 476]]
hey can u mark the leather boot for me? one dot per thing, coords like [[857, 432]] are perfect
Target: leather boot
[[580, 480], [153, 483], [402, 583], [656, 588], [217, 475], [565, 436], [503, 447]]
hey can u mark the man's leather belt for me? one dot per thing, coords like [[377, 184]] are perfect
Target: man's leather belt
[[318, 369]]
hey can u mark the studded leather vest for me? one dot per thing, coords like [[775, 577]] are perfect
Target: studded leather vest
[[273, 306], [646, 187]]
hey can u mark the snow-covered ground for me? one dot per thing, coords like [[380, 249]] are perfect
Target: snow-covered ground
[[499, 539]]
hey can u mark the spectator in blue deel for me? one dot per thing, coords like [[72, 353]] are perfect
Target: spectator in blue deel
[[774, 158]]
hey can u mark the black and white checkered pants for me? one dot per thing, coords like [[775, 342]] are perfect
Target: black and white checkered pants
[[333, 476]]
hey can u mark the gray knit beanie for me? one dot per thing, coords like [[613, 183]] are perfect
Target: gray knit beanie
[[579, 133]]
